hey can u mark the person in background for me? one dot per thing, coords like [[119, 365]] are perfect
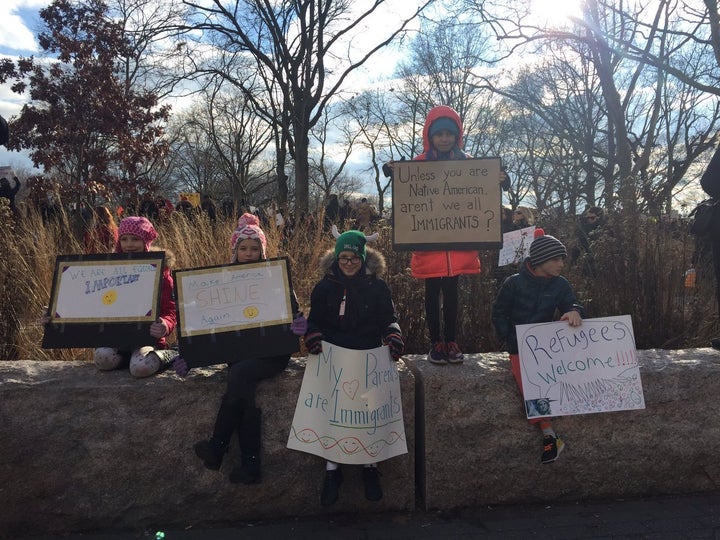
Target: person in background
[[238, 411], [522, 217], [103, 236], [351, 306], [588, 230], [532, 296]]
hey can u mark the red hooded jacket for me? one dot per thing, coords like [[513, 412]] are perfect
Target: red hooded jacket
[[433, 264]]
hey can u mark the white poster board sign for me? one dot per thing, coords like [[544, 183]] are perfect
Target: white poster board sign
[[115, 291], [591, 368], [233, 297], [349, 408], [516, 246]]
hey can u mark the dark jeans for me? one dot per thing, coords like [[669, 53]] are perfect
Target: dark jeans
[[448, 287]]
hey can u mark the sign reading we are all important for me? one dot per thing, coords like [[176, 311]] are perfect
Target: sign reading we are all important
[[104, 300], [233, 297], [568, 370], [349, 409], [440, 205]]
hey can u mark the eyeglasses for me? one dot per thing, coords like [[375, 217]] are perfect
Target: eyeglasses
[[518, 213], [591, 218], [349, 260]]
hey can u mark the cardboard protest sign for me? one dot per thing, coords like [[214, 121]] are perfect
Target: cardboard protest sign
[[516, 246], [349, 408], [441, 205], [588, 369], [235, 311], [104, 300]]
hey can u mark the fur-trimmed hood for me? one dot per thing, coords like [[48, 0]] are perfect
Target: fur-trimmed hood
[[374, 262]]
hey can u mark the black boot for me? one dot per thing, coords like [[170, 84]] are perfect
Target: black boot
[[248, 471], [211, 452]]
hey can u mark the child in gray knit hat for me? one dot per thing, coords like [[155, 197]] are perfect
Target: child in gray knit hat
[[532, 296]]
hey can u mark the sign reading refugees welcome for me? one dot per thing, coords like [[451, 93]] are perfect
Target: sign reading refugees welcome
[[440, 205], [569, 370]]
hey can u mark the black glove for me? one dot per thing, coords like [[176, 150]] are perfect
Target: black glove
[[396, 344], [313, 342]]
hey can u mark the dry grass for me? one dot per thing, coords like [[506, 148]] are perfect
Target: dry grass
[[640, 269]]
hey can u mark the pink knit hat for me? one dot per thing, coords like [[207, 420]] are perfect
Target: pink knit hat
[[248, 227], [138, 226]]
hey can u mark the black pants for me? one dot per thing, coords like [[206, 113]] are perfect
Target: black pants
[[237, 408], [448, 287]]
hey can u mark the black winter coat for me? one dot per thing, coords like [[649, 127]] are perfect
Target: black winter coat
[[369, 309], [526, 298]]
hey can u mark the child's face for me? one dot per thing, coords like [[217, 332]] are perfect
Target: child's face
[[349, 263], [443, 140], [129, 243], [248, 250], [551, 268]]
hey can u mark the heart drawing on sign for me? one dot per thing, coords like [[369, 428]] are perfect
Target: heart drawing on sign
[[350, 388]]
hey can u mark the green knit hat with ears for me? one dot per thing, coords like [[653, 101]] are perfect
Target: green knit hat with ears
[[351, 241]]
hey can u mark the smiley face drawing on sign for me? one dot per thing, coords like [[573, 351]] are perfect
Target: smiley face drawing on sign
[[251, 312], [109, 297]]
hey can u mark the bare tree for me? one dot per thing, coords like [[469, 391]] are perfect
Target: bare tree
[[305, 49]]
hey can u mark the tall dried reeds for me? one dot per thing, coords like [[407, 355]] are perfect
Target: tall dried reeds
[[640, 270]]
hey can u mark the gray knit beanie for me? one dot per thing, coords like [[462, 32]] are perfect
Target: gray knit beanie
[[545, 248]]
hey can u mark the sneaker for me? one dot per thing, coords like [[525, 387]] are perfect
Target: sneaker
[[552, 446], [211, 453], [715, 343], [371, 481], [438, 354], [331, 487], [247, 471], [455, 355]]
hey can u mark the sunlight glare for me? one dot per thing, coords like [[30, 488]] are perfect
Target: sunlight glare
[[555, 13]]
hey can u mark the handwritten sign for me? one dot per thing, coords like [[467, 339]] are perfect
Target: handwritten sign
[[516, 246], [588, 369], [349, 408], [235, 311], [104, 300], [233, 297], [446, 204]]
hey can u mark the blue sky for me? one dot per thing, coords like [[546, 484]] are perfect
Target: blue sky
[[19, 23]]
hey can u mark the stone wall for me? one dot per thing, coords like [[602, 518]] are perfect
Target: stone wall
[[83, 450]]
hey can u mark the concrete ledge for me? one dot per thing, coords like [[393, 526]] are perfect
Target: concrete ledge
[[476, 448], [83, 450]]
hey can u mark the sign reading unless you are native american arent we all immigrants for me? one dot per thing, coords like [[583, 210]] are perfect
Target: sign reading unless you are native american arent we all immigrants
[[441, 203]]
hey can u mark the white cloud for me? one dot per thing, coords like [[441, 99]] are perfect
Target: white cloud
[[15, 32]]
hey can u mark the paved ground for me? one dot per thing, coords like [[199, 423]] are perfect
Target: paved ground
[[666, 518]]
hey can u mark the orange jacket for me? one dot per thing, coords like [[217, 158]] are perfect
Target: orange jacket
[[432, 264]]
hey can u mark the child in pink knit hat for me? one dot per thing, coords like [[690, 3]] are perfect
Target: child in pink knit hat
[[136, 235]]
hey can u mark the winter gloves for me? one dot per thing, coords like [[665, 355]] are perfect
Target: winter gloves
[[180, 366], [299, 325], [393, 339], [313, 342]]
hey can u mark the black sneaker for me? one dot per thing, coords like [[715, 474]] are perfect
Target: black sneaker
[[715, 343], [371, 480], [331, 487], [247, 471], [211, 454], [552, 446]]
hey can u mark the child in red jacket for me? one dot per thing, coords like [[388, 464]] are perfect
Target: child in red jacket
[[136, 234]]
